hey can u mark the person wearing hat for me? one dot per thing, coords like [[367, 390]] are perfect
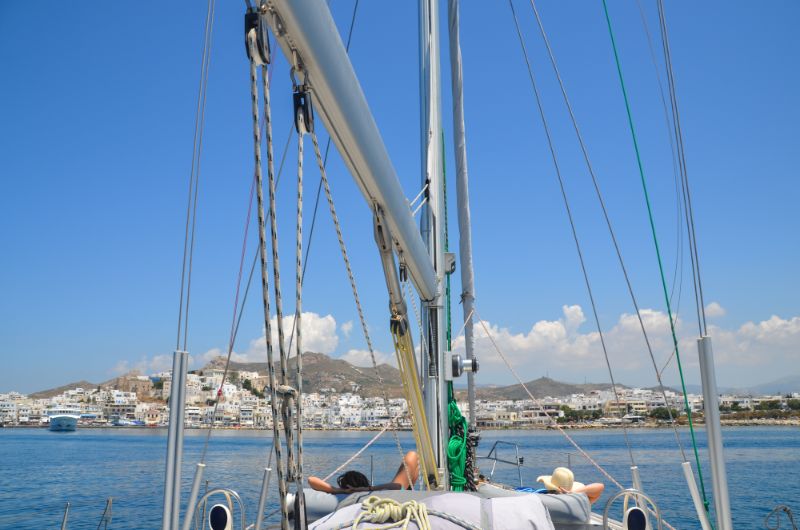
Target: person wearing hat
[[563, 481]]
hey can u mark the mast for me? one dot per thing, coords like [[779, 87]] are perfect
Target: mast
[[719, 477], [462, 196], [432, 227]]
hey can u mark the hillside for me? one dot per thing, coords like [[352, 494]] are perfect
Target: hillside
[[44, 394], [542, 387], [322, 371]]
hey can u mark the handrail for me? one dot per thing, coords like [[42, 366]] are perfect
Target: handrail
[[518, 462], [635, 493], [228, 495]]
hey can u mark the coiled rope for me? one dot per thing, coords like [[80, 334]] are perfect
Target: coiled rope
[[400, 515], [377, 510]]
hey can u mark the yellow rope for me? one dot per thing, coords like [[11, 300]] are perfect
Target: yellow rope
[[377, 510], [406, 363]]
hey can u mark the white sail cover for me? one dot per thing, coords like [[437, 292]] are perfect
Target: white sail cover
[[504, 513]]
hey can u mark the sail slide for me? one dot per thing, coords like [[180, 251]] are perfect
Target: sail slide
[[306, 30]]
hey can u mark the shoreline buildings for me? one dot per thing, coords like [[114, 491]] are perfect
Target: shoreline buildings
[[142, 400]]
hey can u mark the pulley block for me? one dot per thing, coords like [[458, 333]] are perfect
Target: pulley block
[[303, 110], [256, 37]]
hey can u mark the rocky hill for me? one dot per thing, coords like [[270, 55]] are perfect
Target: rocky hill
[[321, 371], [44, 394], [540, 388]]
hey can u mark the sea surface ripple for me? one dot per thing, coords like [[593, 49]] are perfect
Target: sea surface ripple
[[40, 470]]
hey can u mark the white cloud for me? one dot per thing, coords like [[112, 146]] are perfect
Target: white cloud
[[347, 328], [573, 355], [145, 365], [715, 310], [318, 335], [363, 358], [774, 342], [568, 348]]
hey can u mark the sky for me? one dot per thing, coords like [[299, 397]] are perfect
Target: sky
[[96, 132]]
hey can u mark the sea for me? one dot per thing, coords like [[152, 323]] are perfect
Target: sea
[[40, 471]]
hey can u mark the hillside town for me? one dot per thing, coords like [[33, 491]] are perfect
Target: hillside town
[[138, 400]]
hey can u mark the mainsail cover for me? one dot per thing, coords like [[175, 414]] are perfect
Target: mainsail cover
[[502, 513]]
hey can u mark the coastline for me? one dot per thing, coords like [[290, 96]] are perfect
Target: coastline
[[755, 422]]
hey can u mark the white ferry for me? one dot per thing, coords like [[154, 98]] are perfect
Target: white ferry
[[64, 417]]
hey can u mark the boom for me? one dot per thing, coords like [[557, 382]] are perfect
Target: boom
[[305, 30]]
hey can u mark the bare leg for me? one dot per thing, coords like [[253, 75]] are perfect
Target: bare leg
[[411, 461], [320, 485]]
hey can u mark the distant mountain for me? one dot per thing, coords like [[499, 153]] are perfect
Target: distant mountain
[[784, 385], [321, 371], [44, 394], [542, 387]]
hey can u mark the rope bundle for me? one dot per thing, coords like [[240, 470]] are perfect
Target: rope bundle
[[377, 510]]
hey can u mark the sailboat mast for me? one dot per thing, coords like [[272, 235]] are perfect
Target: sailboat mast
[[432, 227], [462, 195]]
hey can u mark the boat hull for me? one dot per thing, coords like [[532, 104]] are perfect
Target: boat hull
[[63, 423]]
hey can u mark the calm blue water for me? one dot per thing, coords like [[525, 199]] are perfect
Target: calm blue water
[[41, 470]]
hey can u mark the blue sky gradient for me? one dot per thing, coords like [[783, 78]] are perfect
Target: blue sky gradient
[[96, 121]]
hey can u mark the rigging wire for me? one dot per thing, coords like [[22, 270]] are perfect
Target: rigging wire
[[538, 403], [572, 224], [699, 297], [276, 442], [237, 315], [673, 154], [238, 318], [328, 146], [658, 251], [194, 180], [354, 288], [558, 427], [607, 218], [297, 324]]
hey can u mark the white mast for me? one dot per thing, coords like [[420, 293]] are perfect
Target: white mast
[[462, 196], [432, 227]]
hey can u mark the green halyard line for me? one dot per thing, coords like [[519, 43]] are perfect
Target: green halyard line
[[658, 253]]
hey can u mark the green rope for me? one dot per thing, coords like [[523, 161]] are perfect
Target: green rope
[[457, 444], [658, 254]]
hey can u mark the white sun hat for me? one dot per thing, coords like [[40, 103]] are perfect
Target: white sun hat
[[562, 477]]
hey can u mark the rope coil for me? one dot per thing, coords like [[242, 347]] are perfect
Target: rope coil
[[377, 510]]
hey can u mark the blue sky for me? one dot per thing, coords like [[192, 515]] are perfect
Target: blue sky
[[96, 119]]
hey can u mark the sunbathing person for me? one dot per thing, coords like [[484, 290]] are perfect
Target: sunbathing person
[[354, 481], [563, 481]]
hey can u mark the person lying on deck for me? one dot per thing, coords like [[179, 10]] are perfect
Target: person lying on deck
[[353, 481], [563, 481]]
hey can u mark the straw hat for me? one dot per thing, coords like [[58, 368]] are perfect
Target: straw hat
[[562, 477]]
